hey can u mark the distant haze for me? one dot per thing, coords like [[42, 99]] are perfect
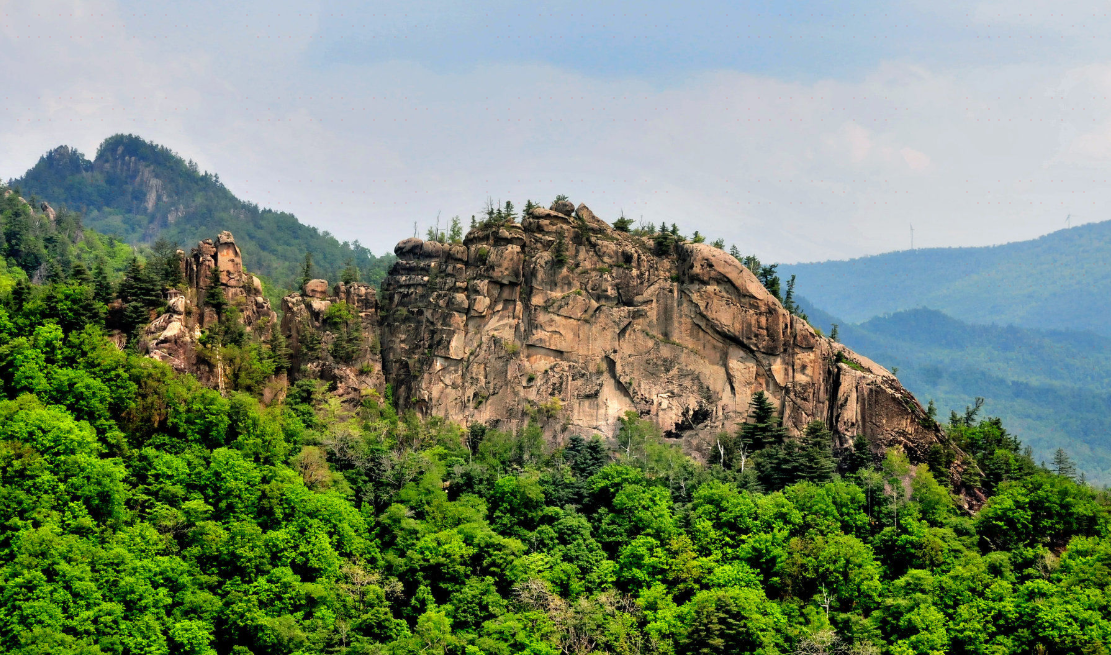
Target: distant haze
[[798, 131]]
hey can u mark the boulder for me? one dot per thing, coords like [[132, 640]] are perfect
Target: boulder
[[563, 207], [407, 248], [316, 289]]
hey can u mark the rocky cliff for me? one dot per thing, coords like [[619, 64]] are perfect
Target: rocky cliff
[[565, 319], [174, 336], [333, 335]]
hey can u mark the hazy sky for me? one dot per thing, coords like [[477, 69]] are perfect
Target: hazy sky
[[798, 131]]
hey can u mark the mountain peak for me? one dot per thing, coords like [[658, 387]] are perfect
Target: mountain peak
[[140, 191]]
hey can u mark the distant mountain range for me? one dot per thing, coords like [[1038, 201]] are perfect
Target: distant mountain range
[[139, 191], [1051, 388], [1061, 281]]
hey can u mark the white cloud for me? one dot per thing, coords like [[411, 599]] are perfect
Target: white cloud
[[975, 155]]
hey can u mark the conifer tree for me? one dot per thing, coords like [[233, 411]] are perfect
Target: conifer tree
[[80, 275], [559, 251], [815, 457], [139, 286], [214, 296], [279, 350], [165, 264], [306, 270], [764, 427], [103, 290], [455, 232], [1063, 464], [623, 224], [350, 273]]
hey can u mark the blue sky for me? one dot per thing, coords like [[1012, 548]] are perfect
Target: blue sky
[[799, 131]]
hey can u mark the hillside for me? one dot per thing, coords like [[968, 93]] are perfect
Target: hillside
[[452, 470], [139, 191], [1050, 387], [1061, 281]]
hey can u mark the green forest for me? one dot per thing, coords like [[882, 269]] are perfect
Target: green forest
[[138, 191], [1050, 387], [145, 513]]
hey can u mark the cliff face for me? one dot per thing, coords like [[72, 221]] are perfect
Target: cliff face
[[174, 336], [500, 329], [564, 320], [333, 335]]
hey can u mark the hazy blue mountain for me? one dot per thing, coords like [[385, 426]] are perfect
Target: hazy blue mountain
[[1050, 387], [1059, 281], [139, 191]]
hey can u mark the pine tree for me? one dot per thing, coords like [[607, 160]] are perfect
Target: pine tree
[[455, 232], [815, 458], [789, 297], [306, 271], [135, 316], [833, 334], [769, 278], [559, 251], [350, 273], [764, 427], [102, 286], [80, 275], [165, 264], [214, 297], [1063, 464], [21, 293], [279, 350], [54, 271], [139, 286]]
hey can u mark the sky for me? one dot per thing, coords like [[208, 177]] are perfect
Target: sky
[[795, 130]]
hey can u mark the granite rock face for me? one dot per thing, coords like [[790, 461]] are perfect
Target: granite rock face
[[173, 337], [334, 336], [563, 320], [498, 330]]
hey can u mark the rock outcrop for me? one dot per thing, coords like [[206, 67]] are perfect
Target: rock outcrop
[[173, 337], [563, 320], [566, 319], [334, 336]]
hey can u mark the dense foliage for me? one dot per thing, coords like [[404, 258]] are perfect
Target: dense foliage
[[139, 191], [144, 513]]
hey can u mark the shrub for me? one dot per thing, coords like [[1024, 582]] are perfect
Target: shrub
[[552, 408]]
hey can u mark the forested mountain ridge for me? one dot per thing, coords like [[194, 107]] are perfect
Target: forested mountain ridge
[[1059, 281], [139, 191], [1049, 387], [145, 512]]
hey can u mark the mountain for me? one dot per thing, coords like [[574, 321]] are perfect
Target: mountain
[[139, 191], [182, 474], [564, 322], [1051, 388], [563, 306], [1061, 281]]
